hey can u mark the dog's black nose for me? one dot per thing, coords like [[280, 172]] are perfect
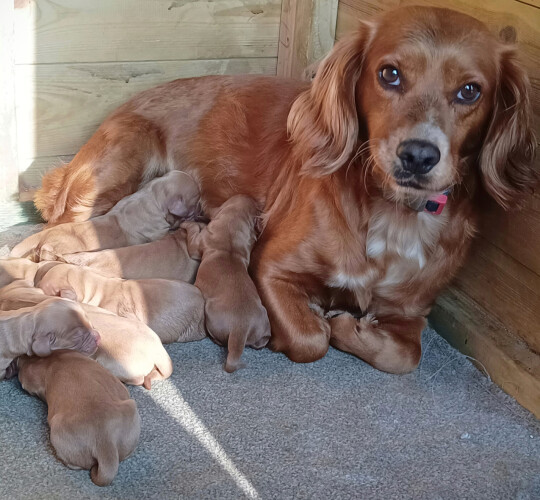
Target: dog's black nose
[[417, 156]]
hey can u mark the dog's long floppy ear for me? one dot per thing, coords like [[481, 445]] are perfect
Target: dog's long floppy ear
[[507, 157], [323, 121]]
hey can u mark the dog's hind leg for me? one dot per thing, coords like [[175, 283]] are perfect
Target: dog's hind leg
[[124, 151]]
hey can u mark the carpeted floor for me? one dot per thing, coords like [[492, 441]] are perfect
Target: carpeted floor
[[335, 429]]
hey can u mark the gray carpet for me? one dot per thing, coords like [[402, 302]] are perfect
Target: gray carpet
[[335, 429]]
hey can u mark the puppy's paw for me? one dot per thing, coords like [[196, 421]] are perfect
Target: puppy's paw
[[192, 227], [259, 343], [155, 374]]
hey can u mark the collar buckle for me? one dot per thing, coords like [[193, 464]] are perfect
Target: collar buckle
[[435, 205]]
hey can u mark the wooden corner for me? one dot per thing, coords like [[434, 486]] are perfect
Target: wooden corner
[[307, 33]]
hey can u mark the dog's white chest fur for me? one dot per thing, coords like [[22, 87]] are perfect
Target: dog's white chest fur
[[397, 247], [409, 237]]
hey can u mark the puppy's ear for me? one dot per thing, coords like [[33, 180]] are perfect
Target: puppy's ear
[[323, 121], [41, 346], [177, 210], [507, 157]]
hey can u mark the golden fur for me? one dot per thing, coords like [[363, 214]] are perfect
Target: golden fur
[[320, 160]]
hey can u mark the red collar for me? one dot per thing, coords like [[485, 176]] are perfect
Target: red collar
[[434, 204]]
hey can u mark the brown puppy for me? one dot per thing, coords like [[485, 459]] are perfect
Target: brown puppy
[[234, 313], [94, 423], [166, 258], [147, 215], [127, 348], [40, 328], [173, 309]]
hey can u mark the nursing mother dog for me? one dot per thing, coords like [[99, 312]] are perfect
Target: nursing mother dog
[[366, 177]]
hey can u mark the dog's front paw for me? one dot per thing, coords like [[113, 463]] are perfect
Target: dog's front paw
[[368, 321]]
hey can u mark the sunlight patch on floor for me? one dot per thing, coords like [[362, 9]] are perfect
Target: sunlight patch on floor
[[180, 411]]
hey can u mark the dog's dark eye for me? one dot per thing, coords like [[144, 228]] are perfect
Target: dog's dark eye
[[389, 76], [469, 93]]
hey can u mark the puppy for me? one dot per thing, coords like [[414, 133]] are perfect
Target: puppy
[[166, 258], [144, 216], [127, 348], [94, 423], [173, 309], [41, 328], [234, 313], [12, 269]]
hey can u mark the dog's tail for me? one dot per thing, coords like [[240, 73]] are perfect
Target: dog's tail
[[235, 347], [69, 187], [103, 473]]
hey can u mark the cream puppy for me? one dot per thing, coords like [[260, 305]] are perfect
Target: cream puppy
[[146, 215], [128, 348], [173, 309], [12, 269]]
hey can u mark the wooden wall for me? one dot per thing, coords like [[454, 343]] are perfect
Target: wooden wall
[[492, 310], [73, 61]]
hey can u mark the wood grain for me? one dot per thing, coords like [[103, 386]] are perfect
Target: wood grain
[[505, 287], [515, 233], [307, 33], [66, 31], [475, 332], [59, 106]]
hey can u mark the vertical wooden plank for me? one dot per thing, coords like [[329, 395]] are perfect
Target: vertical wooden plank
[[307, 33], [8, 142]]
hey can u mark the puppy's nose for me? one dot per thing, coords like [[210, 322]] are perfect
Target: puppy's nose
[[417, 156]]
